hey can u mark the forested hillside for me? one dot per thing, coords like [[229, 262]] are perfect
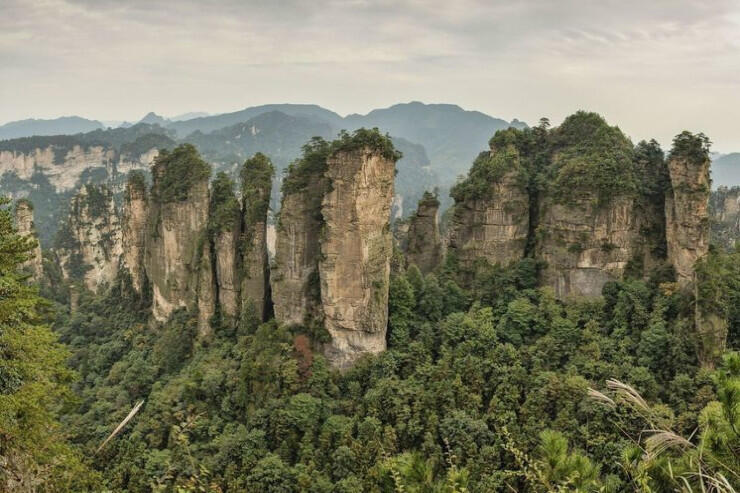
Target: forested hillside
[[572, 330]]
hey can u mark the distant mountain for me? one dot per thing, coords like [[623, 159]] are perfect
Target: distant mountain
[[452, 136], [726, 170], [210, 123], [188, 116], [66, 125], [154, 119]]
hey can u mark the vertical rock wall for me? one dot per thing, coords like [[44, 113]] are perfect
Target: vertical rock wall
[[355, 253], [294, 274], [585, 245], [256, 177], [24, 224], [424, 246], [135, 210], [687, 214], [493, 227], [92, 239], [177, 222]]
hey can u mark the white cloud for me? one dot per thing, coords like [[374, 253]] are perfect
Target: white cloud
[[653, 67]]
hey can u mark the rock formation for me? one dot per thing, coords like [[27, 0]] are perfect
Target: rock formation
[[24, 224], [725, 213], [256, 178], [294, 273], [491, 215], [135, 211], [334, 245], [177, 227], [584, 244], [91, 247], [687, 205], [584, 201], [355, 252], [424, 246], [225, 231]]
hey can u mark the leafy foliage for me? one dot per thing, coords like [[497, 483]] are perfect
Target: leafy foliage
[[176, 172]]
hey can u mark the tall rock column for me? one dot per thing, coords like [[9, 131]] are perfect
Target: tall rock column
[[225, 229], [355, 251], [687, 204], [24, 223], [90, 246], [135, 210], [294, 276], [177, 227], [424, 244], [256, 182]]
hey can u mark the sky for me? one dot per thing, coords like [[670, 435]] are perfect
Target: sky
[[652, 67]]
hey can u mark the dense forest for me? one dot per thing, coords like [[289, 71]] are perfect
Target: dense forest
[[490, 382]]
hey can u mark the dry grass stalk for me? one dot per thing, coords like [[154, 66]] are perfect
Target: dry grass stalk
[[120, 426], [662, 440], [628, 392], [598, 396]]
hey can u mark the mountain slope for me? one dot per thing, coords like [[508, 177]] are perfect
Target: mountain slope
[[65, 125], [451, 135], [210, 123], [726, 170]]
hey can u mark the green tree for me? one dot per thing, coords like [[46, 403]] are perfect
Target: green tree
[[34, 383]]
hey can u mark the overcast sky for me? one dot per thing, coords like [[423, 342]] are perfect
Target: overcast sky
[[652, 67]]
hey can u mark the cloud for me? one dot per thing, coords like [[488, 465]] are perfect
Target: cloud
[[653, 67]]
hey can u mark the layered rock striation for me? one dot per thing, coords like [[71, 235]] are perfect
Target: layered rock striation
[[177, 227], [354, 267], [585, 202], [424, 244], [687, 204], [89, 246], [334, 244], [24, 223], [491, 215]]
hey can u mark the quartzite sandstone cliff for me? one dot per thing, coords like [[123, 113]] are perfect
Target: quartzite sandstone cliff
[[355, 253]]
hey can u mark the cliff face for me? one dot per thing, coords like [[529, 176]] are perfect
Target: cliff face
[[256, 177], [725, 214], [493, 227], [177, 222], [206, 289], [294, 273], [24, 223], [424, 246], [585, 245], [225, 246], [356, 252], [135, 211], [334, 244], [686, 211], [64, 169], [92, 246]]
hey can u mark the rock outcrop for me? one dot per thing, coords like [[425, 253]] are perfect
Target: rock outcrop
[[134, 224], [90, 246], [224, 235], [294, 274], [424, 245], [687, 206], [355, 252], [177, 228], [725, 214], [334, 244], [585, 202], [585, 245], [491, 216], [256, 177], [24, 224]]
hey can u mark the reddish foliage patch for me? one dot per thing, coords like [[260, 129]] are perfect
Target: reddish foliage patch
[[304, 355]]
